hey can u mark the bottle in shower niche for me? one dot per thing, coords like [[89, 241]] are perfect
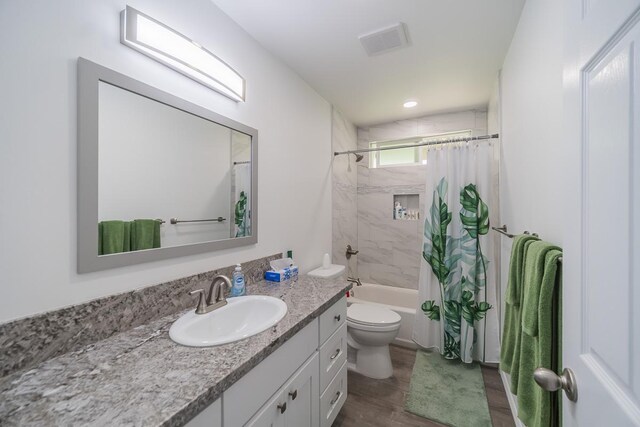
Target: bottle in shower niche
[[238, 286], [397, 211]]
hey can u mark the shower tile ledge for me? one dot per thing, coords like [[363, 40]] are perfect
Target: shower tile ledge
[[141, 377]]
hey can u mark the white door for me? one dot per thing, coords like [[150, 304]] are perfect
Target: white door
[[601, 299]]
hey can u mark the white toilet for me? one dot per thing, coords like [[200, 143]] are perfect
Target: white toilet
[[370, 329]]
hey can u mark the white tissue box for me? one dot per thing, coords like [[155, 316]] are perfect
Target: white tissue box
[[281, 270]]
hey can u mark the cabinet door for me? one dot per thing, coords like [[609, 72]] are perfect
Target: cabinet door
[[296, 404], [303, 396], [272, 413]]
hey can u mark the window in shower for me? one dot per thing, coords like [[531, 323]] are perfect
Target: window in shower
[[407, 156]]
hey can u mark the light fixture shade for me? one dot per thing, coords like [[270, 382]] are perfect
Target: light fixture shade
[[167, 46]]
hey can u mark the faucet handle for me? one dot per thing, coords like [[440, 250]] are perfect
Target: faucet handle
[[202, 306]]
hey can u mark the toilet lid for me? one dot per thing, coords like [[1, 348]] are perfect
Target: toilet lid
[[369, 314]]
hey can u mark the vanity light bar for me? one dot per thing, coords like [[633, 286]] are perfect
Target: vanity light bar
[[160, 42]]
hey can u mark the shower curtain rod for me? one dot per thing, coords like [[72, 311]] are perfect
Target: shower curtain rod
[[442, 141]]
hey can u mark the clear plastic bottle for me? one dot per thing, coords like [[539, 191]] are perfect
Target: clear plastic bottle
[[238, 287]]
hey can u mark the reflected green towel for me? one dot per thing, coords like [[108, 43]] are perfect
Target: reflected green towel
[[535, 404], [145, 234], [512, 317], [113, 237]]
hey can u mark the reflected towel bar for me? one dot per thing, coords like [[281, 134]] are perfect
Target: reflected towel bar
[[178, 221]]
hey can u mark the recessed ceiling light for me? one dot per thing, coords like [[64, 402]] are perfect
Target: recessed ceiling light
[[409, 104]]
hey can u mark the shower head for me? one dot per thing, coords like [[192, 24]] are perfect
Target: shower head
[[358, 157]]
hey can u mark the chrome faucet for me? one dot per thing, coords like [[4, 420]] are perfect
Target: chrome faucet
[[355, 281], [216, 298]]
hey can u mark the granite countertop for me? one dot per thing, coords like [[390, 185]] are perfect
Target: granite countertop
[[141, 377]]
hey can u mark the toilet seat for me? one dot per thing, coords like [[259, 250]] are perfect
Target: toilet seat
[[372, 317]]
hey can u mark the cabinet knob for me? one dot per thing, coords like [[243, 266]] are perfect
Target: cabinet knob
[[282, 407], [293, 394], [337, 317]]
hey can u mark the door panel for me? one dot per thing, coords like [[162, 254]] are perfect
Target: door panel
[[606, 189], [601, 289]]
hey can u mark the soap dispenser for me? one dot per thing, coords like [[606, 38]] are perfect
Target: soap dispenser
[[238, 287]]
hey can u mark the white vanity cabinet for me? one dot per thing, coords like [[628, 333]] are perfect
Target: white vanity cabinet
[[301, 384], [210, 417], [333, 361]]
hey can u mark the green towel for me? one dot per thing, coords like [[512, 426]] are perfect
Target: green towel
[[531, 297], [531, 282], [517, 324], [512, 317], [113, 237], [145, 234], [534, 404], [532, 277]]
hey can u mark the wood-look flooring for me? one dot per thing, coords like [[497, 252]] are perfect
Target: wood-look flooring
[[380, 403]]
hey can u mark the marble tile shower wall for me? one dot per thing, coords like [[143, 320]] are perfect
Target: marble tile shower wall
[[344, 192], [390, 250]]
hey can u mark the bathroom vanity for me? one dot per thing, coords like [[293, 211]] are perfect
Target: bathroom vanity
[[293, 374]]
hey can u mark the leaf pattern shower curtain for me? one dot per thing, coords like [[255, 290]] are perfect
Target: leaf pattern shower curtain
[[458, 285]]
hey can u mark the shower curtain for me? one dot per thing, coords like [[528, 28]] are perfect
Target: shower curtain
[[458, 285], [242, 206]]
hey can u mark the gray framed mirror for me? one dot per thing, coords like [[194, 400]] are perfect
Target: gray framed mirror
[[158, 176]]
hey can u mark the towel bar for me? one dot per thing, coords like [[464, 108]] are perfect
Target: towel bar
[[178, 221], [503, 230]]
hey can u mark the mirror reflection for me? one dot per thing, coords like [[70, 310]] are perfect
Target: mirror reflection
[[167, 177]]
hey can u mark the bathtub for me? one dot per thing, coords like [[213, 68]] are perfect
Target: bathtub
[[402, 301]]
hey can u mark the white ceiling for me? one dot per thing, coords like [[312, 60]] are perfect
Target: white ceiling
[[457, 48]]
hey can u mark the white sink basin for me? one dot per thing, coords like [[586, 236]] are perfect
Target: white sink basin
[[241, 318]]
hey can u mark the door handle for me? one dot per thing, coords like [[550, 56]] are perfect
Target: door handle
[[550, 381], [335, 399], [337, 317], [282, 407], [335, 354], [293, 394]]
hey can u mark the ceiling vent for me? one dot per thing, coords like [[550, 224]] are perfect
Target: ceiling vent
[[385, 40]]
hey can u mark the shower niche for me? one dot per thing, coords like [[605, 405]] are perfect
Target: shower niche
[[406, 207]]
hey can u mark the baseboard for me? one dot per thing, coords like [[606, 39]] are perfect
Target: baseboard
[[513, 403]]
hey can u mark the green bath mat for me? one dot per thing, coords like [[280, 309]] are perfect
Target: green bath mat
[[448, 392]]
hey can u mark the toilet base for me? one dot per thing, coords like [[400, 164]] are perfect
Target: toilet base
[[372, 362]]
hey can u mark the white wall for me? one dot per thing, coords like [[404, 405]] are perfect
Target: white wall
[[531, 104], [526, 108], [39, 45], [156, 161]]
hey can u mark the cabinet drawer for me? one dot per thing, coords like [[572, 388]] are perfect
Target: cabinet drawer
[[249, 393], [333, 353], [333, 397], [332, 319]]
